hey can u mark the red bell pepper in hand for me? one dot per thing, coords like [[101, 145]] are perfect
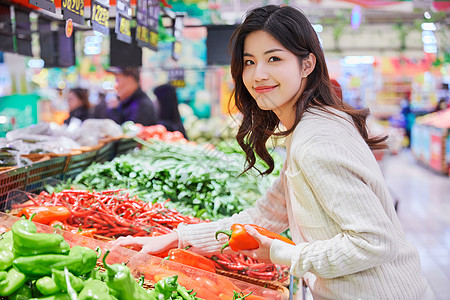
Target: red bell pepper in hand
[[46, 214], [191, 259], [239, 239]]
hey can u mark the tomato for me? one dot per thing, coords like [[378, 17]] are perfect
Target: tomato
[[160, 129], [178, 135]]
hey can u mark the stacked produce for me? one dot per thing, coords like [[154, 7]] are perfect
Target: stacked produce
[[159, 132], [43, 266], [110, 213], [201, 182]]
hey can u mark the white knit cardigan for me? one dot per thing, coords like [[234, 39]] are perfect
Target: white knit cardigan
[[332, 195]]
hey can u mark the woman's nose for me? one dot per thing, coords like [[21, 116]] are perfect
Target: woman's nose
[[261, 73]]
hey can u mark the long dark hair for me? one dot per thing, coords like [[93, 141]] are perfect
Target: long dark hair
[[293, 30], [169, 115], [83, 95]]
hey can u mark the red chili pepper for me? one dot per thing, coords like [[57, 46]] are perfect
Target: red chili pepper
[[239, 239]]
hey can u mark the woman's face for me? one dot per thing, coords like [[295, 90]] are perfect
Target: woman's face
[[74, 101], [271, 74]]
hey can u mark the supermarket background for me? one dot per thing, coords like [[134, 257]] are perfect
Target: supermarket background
[[385, 55]]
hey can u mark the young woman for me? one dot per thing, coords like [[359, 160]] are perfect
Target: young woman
[[331, 193], [79, 105]]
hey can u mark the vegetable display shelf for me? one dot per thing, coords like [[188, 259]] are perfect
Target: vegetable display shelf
[[208, 285], [106, 153], [125, 145], [77, 163]]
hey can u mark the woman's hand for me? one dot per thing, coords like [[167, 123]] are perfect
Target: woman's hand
[[150, 245], [262, 254]]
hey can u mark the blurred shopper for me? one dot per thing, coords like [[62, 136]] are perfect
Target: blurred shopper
[[408, 116], [134, 103], [331, 193], [100, 109], [79, 105], [168, 114]]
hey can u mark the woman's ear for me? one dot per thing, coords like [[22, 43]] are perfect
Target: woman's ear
[[308, 64]]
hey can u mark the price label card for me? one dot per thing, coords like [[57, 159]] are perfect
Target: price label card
[[73, 9], [153, 15], [48, 5], [176, 77], [100, 16], [123, 21], [153, 40], [142, 32], [178, 35]]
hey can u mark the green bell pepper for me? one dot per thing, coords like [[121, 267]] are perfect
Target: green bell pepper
[[61, 296], [27, 241], [12, 283], [81, 260], [122, 284], [23, 293], [95, 289], [47, 286], [6, 251], [84, 260], [60, 280]]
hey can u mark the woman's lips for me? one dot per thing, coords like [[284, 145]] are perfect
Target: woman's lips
[[265, 89]]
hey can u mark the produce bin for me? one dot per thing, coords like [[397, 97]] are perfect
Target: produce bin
[[154, 268]]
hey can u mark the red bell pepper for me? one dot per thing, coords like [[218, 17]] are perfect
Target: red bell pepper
[[239, 239], [46, 214], [191, 259]]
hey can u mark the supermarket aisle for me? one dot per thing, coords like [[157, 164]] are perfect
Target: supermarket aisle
[[424, 210]]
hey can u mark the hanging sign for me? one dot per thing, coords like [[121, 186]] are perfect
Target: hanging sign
[[152, 23], [178, 25], [123, 21], [176, 77], [100, 16], [73, 9], [48, 5], [142, 32]]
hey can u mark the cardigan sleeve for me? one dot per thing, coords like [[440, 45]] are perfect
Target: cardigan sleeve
[[348, 191], [269, 212]]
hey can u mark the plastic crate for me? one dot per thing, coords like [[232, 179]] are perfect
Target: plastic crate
[[78, 163], [10, 180], [43, 173], [125, 145], [105, 153]]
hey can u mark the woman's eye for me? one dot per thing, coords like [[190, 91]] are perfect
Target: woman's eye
[[273, 58], [248, 63]]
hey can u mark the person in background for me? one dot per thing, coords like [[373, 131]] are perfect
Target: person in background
[[331, 194], [79, 105], [408, 116], [134, 103], [99, 110], [168, 114]]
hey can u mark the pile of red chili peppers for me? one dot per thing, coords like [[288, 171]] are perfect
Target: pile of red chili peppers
[[241, 264], [114, 213]]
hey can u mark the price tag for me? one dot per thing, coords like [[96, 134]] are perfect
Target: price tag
[[176, 77], [153, 40], [142, 32], [100, 17], [48, 5], [73, 9], [178, 26], [123, 21]]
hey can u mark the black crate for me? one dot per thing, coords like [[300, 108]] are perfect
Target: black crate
[[106, 153], [78, 163], [125, 145]]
